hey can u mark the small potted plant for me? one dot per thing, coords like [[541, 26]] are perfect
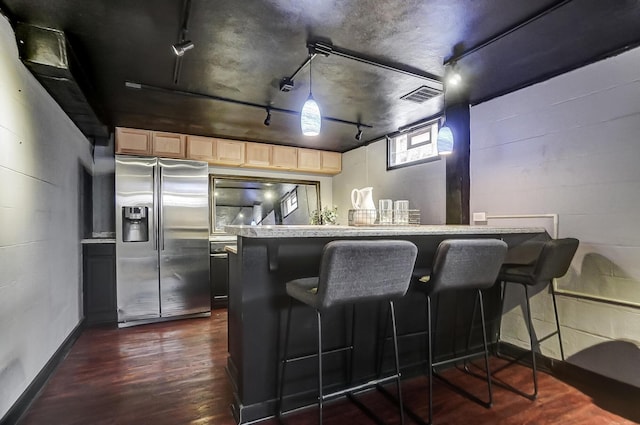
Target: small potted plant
[[325, 216]]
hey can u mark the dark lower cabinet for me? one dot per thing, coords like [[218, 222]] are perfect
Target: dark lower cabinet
[[99, 283], [219, 270]]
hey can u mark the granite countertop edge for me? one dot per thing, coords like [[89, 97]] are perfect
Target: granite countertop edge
[[283, 231], [98, 240]]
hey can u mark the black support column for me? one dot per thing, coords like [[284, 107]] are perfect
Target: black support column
[[457, 174]]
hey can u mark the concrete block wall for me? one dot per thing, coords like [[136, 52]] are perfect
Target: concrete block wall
[[42, 158], [571, 146], [423, 185]]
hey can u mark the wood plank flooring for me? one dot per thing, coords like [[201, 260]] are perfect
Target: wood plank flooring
[[173, 373]]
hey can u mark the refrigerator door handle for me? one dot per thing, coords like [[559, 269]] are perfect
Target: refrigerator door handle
[[155, 203], [161, 210]]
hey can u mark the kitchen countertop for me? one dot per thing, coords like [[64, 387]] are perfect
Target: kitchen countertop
[[99, 240], [284, 231]]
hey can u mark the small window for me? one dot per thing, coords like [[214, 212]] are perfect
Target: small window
[[289, 203], [413, 147]]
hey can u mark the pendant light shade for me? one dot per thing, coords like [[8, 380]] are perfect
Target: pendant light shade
[[445, 141], [310, 119]]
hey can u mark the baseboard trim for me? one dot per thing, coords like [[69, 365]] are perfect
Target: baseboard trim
[[610, 394], [14, 414]]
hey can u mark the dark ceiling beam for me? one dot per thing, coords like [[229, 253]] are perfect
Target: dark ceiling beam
[[139, 86], [457, 56]]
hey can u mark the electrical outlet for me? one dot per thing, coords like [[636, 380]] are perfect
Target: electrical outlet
[[479, 216]]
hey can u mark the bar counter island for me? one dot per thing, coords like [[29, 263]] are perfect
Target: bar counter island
[[269, 256]]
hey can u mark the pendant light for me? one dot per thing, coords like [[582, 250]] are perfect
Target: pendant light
[[310, 118], [445, 140]]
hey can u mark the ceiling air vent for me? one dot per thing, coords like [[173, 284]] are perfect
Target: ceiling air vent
[[421, 94]]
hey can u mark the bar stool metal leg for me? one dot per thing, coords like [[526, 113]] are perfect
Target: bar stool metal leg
[[534, 345], [283, 362], [486, 348], [397, 359], [319, 367], [430, 358], [555, 311]]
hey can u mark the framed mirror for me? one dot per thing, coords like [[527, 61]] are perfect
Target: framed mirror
[[261, 201]]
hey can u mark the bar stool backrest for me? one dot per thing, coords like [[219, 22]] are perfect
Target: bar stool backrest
[[361, 270], [466, 264], [555, 259]]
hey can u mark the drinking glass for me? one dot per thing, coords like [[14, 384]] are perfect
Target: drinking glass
[[385, 207], [401, 212]]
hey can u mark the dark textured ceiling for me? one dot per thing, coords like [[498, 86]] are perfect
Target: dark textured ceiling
[[243, 48]]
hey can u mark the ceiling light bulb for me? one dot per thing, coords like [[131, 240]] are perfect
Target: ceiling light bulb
[[445, 141], [310, 118], [454, 78], [183, 46]]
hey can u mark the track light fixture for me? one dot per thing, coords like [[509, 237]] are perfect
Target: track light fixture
[[454, 78], [359, 133], [267, 121], [183, 46]]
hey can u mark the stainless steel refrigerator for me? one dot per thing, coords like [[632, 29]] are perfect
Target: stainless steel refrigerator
[[162, 234]]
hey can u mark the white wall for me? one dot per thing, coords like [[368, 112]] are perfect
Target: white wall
[[571, 146], [41, 155], [423, 185]]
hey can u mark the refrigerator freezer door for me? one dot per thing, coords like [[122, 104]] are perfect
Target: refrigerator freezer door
[[184, 237], [136, 262]]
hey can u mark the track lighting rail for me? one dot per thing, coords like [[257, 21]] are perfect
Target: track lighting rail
[[140, 86], [327, 48]]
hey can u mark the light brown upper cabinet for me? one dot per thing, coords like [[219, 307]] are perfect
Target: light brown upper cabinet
[[331, 162], [169, 145], [257, 155], [284, 157], [309, 160], [201, 148], [229, 152], [225, 152], [133, 141]]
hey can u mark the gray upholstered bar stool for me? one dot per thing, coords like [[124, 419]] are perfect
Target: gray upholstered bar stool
[[461, 264], [553, 262], [352, 271]]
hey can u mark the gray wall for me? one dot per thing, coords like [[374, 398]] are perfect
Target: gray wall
[[104, 185], [42, 158], [571, 146], [423, 185]]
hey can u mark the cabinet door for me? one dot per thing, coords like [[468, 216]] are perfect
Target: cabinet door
[[331, 162], [201, 148], [308, 160], [257, 155], [133, 141], [169, 145], [284, 157], [99, 283], [229, 152]]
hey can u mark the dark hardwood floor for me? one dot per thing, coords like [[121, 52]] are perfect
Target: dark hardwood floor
[[173, 373]]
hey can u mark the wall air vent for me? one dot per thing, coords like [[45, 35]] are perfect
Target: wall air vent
[[421, 94]]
